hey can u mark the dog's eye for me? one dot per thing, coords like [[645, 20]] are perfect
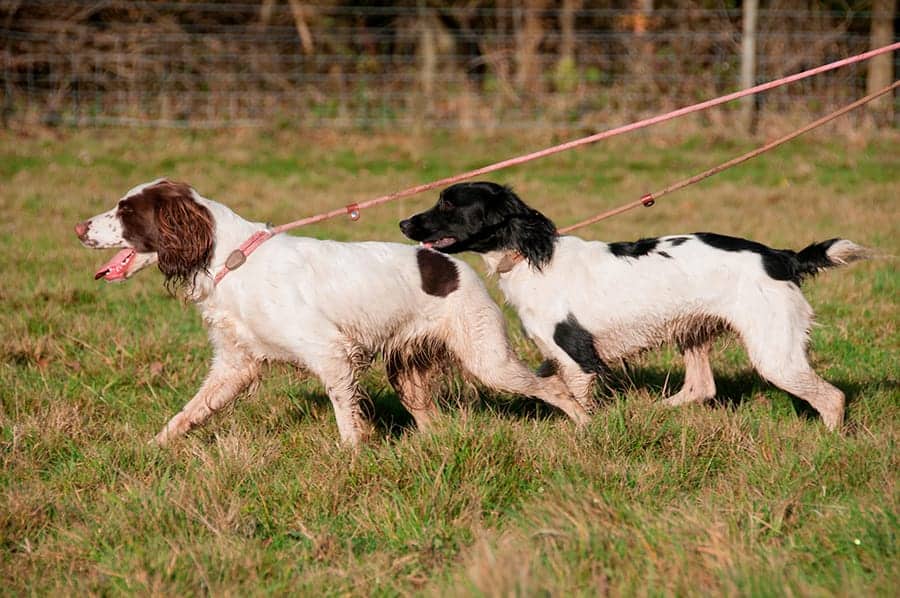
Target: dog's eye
[[445, 205], [124, 207]]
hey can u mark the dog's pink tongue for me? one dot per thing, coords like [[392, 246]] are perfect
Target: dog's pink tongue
[[116, 268]]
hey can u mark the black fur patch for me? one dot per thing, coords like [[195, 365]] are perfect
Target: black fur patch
[[815, 257], [484, 217], [676, 241], [578, 343], [664, 254], [548, 368], [439, 274], [638, 248], [779, 264]]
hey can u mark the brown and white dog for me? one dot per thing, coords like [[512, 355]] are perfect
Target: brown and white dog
[[323, 305], [587, 303]]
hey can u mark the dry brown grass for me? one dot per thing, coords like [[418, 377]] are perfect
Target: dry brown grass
[[749, 495]]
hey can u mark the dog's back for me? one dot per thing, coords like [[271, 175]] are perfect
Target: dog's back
[[296, 291], [637, 295]]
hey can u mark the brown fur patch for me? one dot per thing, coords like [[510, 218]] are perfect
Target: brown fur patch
[[165, 218], [414, 369], [696, 330], [439, 274], [138, 216]]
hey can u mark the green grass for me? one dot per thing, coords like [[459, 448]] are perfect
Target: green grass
[[749, 495]]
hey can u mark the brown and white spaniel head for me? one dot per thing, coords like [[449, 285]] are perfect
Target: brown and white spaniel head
[[158, 222]]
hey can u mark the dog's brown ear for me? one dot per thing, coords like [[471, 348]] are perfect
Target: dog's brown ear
[[186, 235]]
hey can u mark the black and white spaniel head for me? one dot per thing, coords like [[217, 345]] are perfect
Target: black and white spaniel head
[[158, 222], [483, 217]]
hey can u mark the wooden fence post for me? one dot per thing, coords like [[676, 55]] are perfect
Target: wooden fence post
[[749, 109], [881, 71]]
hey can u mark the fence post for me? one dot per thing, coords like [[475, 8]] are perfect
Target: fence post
[[880, 75], [427, 51], [529, 33], [565, 77], [641, 56], [749, 105]]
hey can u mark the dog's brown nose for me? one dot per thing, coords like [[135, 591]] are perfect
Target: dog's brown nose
[[81, 228]]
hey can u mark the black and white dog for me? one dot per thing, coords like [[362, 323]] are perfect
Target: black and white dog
[[585, 303]]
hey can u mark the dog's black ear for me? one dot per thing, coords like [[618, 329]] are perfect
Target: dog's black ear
[[533, 235]]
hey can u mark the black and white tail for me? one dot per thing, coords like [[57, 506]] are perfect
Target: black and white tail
[[829, 254]]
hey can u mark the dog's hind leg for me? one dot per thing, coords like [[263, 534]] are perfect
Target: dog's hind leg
[[825, 398], [483, 350], [699, 384], [228, 377], [800, 380], [579, 383], [776, 346], [414, 384], [506, 373]]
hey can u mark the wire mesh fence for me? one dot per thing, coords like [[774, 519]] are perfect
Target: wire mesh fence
[[415, 64]]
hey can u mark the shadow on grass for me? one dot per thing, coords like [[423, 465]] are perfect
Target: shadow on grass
[[734, 390], [392, 420]]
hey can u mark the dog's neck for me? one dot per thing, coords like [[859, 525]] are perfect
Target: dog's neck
[[502, 261], [231, 231]]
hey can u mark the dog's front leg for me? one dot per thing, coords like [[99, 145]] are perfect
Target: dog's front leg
[[579, 383], [227, 378], [415, 384], [347, 399]]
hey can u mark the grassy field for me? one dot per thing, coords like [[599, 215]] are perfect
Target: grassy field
[[749, 495]]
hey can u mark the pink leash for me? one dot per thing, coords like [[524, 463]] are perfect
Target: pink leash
[[649, 199], [239, 255]]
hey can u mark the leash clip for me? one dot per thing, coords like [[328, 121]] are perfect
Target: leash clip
[[647, 200], [353, 211]]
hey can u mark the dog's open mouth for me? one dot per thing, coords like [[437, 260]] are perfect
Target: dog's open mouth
[[440, 243], [117, 268], [125, 264]]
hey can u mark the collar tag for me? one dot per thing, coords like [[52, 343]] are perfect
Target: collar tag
[[235, 259], [509, 261]]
